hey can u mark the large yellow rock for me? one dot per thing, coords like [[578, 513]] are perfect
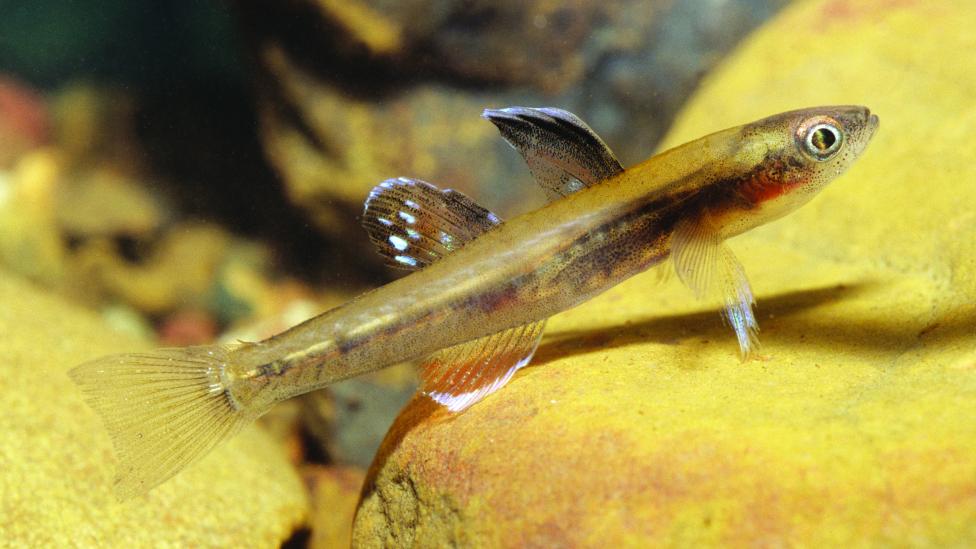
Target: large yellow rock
[[638, 425], [56, 462]]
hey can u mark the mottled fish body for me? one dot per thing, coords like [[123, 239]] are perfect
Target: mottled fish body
[[474, 309]]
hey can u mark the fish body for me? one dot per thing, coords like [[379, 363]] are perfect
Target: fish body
[[474, 309]]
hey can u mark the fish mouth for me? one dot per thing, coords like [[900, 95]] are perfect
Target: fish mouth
[[872, 122]]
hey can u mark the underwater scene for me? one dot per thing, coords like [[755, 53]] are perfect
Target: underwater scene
[[463, 273]]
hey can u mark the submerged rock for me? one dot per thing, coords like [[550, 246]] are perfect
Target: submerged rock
[[637, 424], [358, 91], [335, 492], [99, 202], [31, 244], [24, 120], [347, 421], [58, 466]]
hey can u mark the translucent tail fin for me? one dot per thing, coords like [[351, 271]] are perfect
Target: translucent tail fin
[[163, 410]]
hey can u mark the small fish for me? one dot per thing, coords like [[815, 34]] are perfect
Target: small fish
[[474, 309]]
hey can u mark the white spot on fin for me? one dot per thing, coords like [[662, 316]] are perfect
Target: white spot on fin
[[398, 242], [413, 223]]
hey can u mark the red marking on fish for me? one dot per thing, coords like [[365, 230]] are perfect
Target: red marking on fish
[[851, 11]]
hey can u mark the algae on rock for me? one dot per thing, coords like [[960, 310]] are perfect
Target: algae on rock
[[638, 425], [58, 467]]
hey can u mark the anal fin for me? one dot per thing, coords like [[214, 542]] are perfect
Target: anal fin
[[460, 376]]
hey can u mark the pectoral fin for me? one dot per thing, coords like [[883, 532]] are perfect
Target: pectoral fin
[[413, 223], [460, 376], [563, 153], [705, 264]]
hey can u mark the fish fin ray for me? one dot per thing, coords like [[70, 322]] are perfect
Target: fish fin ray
[[413, 223], [663, 272], [704, 263], [462, 375], [163, 410], [562, 152]]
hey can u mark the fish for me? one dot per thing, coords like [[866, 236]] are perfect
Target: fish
[[474, 307]]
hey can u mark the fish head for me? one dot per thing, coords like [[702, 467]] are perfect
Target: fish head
[[786, 159]]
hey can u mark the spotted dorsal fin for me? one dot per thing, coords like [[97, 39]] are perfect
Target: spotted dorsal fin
[[460, 376], [413, 223], [563, 153]]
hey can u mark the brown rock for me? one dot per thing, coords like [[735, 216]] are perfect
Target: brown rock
[[395, 91]]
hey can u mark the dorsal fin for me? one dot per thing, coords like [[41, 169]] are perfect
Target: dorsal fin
[[413, 223], [563, 153], [460, 376]]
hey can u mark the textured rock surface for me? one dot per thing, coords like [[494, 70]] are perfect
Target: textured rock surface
[[335, 492], [360, 90], [57, 464], [637, 423]]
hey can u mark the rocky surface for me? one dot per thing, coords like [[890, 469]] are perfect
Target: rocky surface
[[638, 425], [334, 494], [354, 92], [58, 467]]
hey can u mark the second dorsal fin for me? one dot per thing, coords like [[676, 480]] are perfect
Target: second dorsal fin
[[562, 152], [413, 223]]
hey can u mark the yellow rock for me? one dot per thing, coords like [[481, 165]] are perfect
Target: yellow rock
[[179, 273], [335, 492], [637, 425], [30, 241], [56, 462]]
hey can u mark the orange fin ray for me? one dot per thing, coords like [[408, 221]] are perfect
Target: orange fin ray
[[460, 376], [412, 223]]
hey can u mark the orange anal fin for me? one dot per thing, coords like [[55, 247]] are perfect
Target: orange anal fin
[[460, 376]]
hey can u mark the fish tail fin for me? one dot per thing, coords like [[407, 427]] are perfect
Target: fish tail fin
[[163, 409]]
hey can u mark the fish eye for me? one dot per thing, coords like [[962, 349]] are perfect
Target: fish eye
[[822, 140]]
